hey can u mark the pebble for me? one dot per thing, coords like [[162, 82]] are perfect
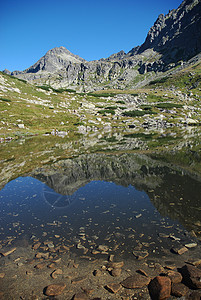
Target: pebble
[[113, 287], [97, 272], [2, 275], [55, 273], [36, 246], [40, 266], [8, 252], [78, 280], [140, 254], [116, 272], [191, 245], [179, 250], [103, 248], [54, 289], [80, 296], [115, 265]]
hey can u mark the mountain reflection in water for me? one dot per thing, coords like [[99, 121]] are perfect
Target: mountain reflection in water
[[128, 201], [174, 194]]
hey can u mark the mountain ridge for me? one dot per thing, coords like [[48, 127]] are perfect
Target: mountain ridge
[[171, 41]]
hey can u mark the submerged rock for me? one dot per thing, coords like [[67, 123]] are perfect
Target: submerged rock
[[54, 289], [135, 281]]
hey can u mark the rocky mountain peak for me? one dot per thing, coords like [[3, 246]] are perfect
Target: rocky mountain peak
[[171, 42], [179, 30]]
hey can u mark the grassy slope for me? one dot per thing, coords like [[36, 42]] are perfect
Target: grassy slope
[[53, 107]]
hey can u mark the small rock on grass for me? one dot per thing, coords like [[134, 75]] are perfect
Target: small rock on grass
[[2, 275], [54, 289]]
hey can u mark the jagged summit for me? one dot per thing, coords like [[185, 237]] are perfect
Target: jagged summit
[[171, 42], [178, 32], [55, 59]]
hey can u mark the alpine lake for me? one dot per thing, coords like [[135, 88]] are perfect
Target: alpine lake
[[74, 205]]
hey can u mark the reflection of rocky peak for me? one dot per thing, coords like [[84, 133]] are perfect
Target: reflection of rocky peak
[[173, 194], [66, 176]]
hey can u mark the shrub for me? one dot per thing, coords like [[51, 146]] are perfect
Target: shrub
[[4, 99], [168, 105], [138, 113], [106, 111], [120, 102]]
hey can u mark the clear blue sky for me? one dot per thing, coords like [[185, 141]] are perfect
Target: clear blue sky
[[92, 29]]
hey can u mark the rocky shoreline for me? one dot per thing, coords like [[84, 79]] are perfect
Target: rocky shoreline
[[46, 270]]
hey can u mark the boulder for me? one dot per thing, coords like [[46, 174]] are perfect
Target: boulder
[[179, 289], [191, 276], [160, 288], [135, 281]]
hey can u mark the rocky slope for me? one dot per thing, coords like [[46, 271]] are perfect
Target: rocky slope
[[171, 42]]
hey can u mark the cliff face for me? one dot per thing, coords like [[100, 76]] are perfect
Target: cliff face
[[178, 34], [173, 38]]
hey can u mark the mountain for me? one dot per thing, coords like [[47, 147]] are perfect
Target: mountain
[[174, 41]]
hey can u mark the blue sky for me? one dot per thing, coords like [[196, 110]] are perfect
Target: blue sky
[[92, 29]]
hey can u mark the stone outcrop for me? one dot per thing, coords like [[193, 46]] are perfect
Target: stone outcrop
[[171, 42]]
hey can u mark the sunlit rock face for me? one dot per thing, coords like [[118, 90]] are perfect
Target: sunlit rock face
[[172, 41]]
